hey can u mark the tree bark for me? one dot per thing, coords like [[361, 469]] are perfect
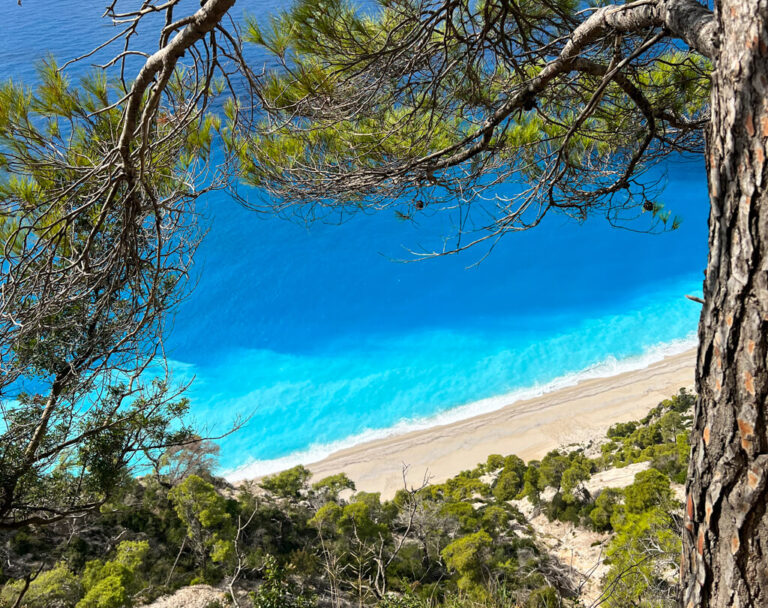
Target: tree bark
[[725, 541]]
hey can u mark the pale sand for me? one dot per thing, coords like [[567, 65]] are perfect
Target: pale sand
[[529, 428]]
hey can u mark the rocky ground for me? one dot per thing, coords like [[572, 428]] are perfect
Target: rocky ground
[[196, 596]]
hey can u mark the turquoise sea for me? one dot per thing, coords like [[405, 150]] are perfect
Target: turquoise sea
[[324, 338]]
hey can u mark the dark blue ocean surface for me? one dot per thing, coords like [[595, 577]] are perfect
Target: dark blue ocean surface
[[324, 339]]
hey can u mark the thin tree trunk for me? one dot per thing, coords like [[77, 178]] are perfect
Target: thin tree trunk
[[23, 592], [725, 541], [176, 561]]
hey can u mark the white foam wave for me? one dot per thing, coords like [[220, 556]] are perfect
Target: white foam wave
[[605, 369]]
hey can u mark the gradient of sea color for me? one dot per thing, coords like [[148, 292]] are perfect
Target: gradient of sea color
[[324, 341]]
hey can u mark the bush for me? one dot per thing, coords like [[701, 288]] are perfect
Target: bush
[[650, 488], [468, 556], [545, 597], [109, 592], [571, 514], [463, 513], [494, 462], [555, 508], [110, 585], [605, 505], [507, 486], [55, 588], [276, 591], [579, 471], [495, 519], [288, 484], [530, 487], [25, 543], [553, 465], [332, 485], [643, 557], [622, 429]]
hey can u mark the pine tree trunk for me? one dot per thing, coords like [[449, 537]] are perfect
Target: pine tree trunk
[[725, 542]]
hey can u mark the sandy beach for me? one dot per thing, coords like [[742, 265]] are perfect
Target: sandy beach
[[528, 428]]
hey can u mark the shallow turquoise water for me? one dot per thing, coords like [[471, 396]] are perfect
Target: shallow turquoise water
[[323, 340]]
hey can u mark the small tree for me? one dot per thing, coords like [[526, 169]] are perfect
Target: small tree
[[530, 487], [605, 504], [194, 457], [288, 484], [204, 512], [507, 486], [579, 470], [651, 488], [330, 487], [469, 556], [551, 470], [98, 180]]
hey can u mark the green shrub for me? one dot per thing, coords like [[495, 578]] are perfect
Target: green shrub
[[643, 557], [468, 556], [507, 485], [650, 488], [464, 513], [544, 597], [109, 592], [205, 514], [462, 487], [553, 465], [578, 471], [622, 429], [605, 505], [25, 543], [276, 591], [494, 462], [332, 485], [54, 588], [530, 487], [495, 519], [288, 484], [111, 584]]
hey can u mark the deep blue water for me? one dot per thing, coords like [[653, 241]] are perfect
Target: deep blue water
[[323, 339]]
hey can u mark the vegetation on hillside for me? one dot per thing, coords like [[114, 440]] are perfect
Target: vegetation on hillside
[[287, 542]]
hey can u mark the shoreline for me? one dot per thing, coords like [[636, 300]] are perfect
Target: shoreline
[[528, 428], [319, 452]]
